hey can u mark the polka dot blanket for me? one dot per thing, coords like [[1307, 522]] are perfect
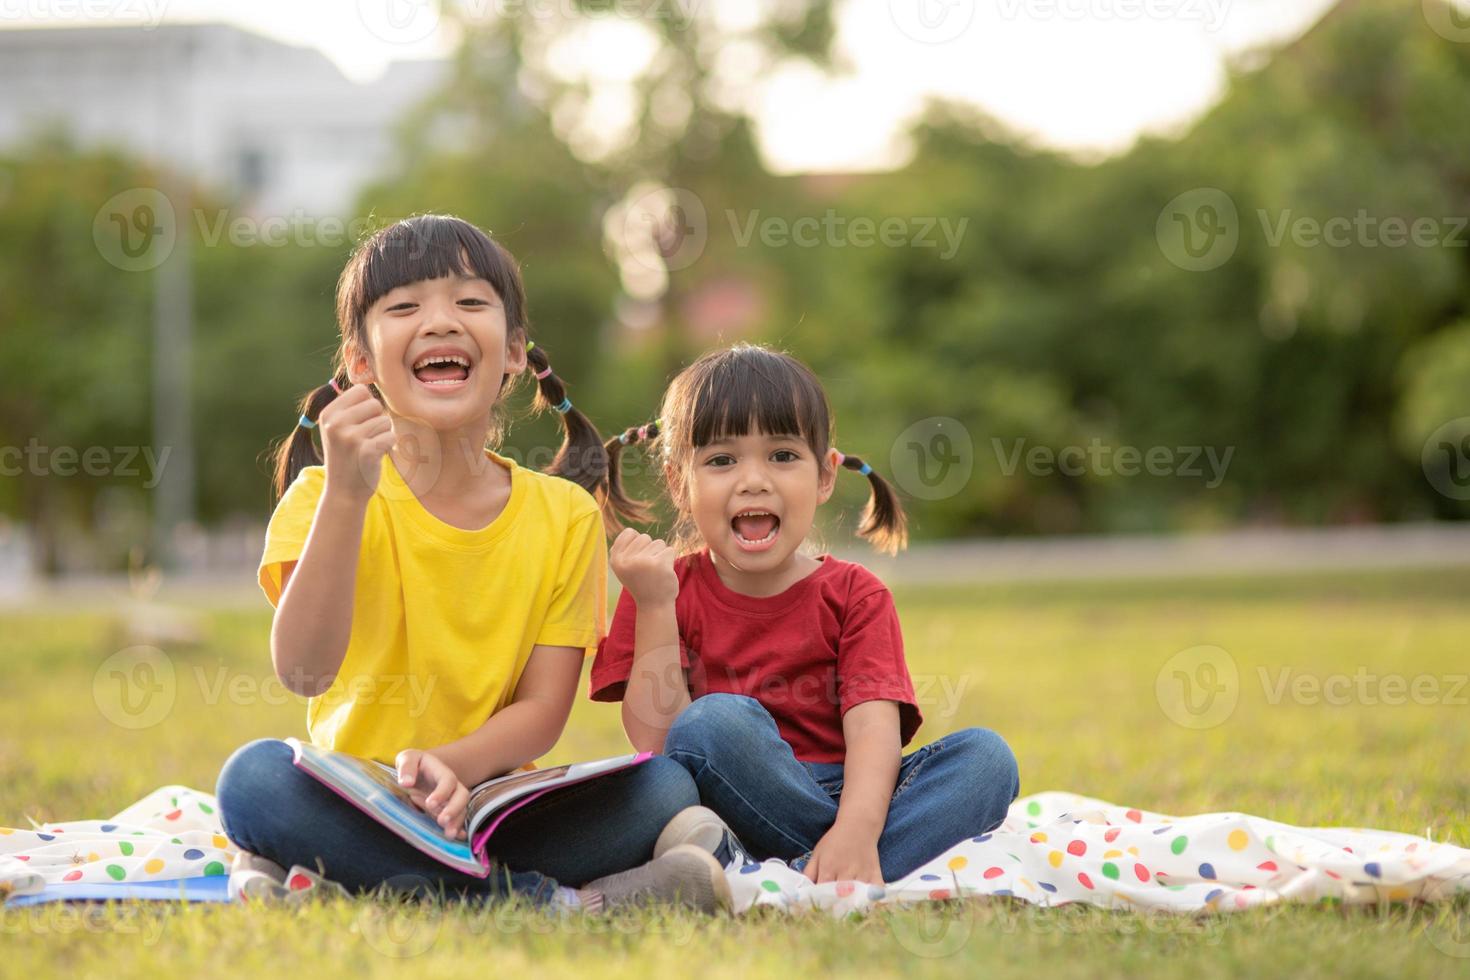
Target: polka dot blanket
[[1053, 848]]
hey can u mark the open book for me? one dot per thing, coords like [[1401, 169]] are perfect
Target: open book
[[373, 788]]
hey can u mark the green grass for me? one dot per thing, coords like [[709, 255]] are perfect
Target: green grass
[[1066, 672]]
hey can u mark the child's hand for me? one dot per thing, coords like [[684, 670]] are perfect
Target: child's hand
[[435, 789], [845, 855], [356, 433], [645, 566]]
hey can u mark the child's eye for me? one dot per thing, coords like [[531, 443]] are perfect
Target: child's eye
[[720, 460], [405, 305], [785, 456], [475, 300]]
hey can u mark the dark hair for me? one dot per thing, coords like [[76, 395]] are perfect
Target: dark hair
[[730, 393], [431, 246]]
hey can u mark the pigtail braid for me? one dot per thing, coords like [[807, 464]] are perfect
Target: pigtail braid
[[884, 523], [297, 451], [581, 458], [627, 507]]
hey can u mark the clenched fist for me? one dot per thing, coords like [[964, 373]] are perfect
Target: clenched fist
[[356, 433], [645, 566]]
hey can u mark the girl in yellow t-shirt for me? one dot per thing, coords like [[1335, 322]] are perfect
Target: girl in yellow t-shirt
[[435, 601]]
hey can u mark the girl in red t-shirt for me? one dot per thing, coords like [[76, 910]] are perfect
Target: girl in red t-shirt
[[777, 677]]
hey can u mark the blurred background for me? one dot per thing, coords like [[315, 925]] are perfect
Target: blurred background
[[1069, 268]]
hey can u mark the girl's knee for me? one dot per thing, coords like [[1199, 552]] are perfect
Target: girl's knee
[[245, 780], [666, 786], [716, 720], [987, 755]]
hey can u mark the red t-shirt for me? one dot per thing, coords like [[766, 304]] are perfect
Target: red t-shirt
[[829, 642]]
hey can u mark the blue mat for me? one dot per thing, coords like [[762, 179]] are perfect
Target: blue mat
[[214, 888]]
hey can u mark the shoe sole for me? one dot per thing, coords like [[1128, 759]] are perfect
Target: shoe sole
[[721, 896], [697, 826]]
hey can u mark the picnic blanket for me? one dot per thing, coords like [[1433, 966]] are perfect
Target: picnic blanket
[[1054, 848]]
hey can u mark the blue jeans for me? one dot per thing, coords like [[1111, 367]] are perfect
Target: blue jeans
[[958, 786], [271, 808]]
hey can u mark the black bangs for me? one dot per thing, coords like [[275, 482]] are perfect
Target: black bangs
[[429, 246], [747, 389]]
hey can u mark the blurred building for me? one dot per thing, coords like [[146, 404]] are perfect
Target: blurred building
[[274, 125]]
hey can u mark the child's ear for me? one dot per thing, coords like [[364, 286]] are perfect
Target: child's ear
[[827, 479], [515, 354], [359, 368]]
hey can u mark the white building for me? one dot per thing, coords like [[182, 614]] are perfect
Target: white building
[[277, 126]]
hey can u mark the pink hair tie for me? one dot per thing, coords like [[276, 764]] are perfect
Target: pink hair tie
[[643, 432], [333, 383], [543, 375], [840, 457]]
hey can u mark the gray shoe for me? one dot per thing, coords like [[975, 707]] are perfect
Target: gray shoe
[[681, 875], [703, 828]]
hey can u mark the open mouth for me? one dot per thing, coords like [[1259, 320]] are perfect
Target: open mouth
[[755, 530], [442, 371]]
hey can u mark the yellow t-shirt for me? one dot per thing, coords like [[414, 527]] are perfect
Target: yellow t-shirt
[[444, 619]]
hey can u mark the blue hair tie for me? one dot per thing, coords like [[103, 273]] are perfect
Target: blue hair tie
[[565, 406], [865, 469], [306, 423], [623, 438]]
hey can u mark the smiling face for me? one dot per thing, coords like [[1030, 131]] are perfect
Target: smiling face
[[753, 498], [439, 350]]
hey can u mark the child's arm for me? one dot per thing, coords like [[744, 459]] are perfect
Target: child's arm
[[314, 618], [526, 728], [656, 690], [849, 850]]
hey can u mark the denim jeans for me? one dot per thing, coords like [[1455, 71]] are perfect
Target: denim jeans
[[958, 786], [271, 808]]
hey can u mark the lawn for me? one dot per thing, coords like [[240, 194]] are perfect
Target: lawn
[[1350, 708]]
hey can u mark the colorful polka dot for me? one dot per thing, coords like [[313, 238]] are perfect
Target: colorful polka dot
[[1055, 858], [1048, 886], [221, 841], [1373, 869], [108, 828], [153, 866], [116, 872], [1266, 866], [770, 886], [1141, 872], [1110, 870], [1076, 848], [193, 854], [928, 877], [844, 889], [749, 869], [1033, 809], [993, 872], [1178, 844], [1112, 834], [1207, 871], [957, 862], [1135, 816], [1083, 880], [214, 869], [205, 808], [1237, 840], [125, 847]]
